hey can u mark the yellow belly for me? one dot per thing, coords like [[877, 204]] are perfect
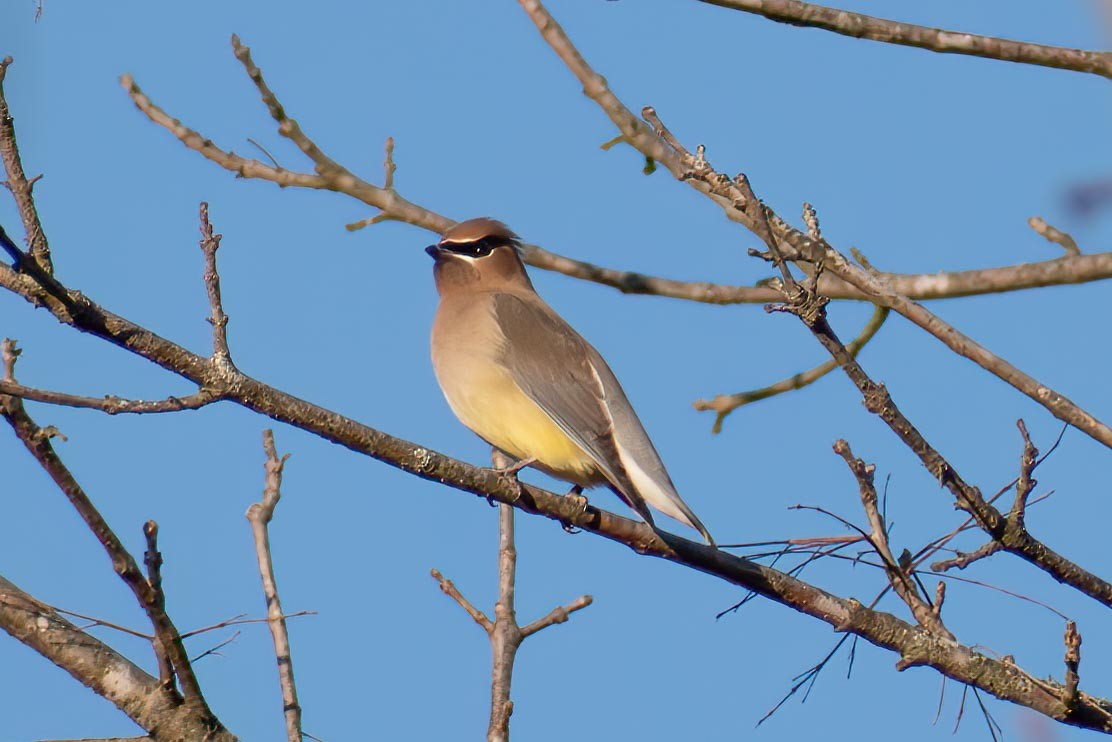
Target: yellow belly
[[485, 399]]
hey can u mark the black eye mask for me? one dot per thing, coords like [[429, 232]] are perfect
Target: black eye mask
[[476, 248]]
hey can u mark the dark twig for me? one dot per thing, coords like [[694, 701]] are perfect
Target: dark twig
[[862, 26], [899, 576], [260, 515], [724, 404], [18, 183], [1073, 660], [215, 649]]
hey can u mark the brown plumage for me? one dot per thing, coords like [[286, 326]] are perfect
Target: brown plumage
[[520, 377]]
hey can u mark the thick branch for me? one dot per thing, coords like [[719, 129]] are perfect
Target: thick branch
[[861, 26], [103, 670], [915, 645], [37, 442]]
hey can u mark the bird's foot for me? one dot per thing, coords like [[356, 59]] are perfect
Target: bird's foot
[[513, 469], [579, 502]]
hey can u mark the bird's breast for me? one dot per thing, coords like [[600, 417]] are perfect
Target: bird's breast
[[466, 355]]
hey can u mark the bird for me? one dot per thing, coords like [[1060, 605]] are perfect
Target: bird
[[521, 378]]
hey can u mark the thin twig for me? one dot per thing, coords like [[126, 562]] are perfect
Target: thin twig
[[963, 560], [1028, 460], [449, 588], [724, 404], [152, 560], [1055, 235], [1073, 660], [210, 243], [861, 26], [900, 578], [111, 404], [18, 182], [394, 207], [260, 515], [215, 650], [240, 620]]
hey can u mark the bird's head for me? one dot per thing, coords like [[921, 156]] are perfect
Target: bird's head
[[478, 254]]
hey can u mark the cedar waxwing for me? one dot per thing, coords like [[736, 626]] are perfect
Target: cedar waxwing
[[515, 373]]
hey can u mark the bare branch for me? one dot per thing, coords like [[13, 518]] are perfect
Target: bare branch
[[9, 353], [1028, 460], [732, 196], [724, 404], [961, 561], [918, 646], [105, 671], [388, 165], [111, 404], [559, 614], [505, 636], [1073, 660], [899, 576], [915, 645], [18, 183], [210, 243], [330, 175], [862, 26], [1055, 235], [449, 589], [240, 619], [152, 560], [260, 515], [37, 442]]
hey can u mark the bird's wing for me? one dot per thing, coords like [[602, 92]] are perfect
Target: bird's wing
[[571, 382], [559, 370]]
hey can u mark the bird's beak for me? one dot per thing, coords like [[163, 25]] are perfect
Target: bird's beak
[[433, 251]]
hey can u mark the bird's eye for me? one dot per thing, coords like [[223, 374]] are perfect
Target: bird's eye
[[476, 248], [480, 248]]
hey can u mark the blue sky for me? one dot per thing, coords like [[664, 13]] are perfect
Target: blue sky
[[924, 162]]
